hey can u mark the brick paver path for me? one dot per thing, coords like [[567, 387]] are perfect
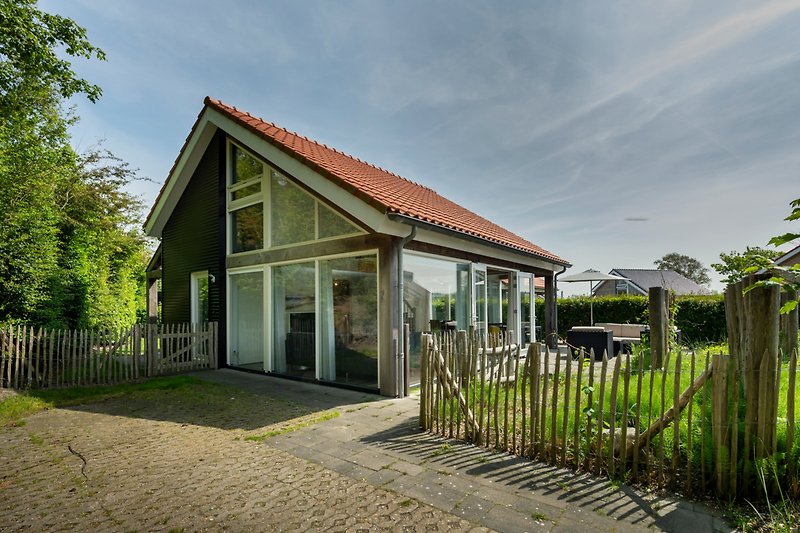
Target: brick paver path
[[173, 462]]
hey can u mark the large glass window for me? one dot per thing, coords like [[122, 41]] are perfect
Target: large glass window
[[332, 224], [245, 166], [292, 212], [294, 320], [436, 297], [349, 320], [292, 216], [246, 331], [247, 228]]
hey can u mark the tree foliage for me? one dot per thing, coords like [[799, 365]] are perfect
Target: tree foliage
[[69, 253], [787, 277], [733, 266], [684, 265], [29, 39]]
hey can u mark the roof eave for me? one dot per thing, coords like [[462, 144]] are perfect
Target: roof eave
[[405, 219]]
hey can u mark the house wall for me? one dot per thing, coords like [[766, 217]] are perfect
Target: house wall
[[193, 240]]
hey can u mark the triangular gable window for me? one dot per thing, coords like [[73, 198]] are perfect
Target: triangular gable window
[[293, 216], [332, 224]]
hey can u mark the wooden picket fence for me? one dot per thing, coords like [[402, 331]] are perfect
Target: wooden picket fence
[[672, 427], [39, 358]]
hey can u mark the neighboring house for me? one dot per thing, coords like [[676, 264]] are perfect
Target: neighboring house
[[312, 260], [639, 280], [792, 257]]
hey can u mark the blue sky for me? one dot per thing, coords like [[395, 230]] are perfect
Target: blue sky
[[610, 133]]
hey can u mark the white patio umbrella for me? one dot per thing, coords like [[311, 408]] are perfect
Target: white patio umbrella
[[591, 276]]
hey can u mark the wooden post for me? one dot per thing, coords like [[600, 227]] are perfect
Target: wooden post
[[719, 423], [423, 386], [759, 369], [659, 325], [788, 325], [550, 313]]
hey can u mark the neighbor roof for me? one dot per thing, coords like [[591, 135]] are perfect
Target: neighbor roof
[[792, 257], [384, 190], [643, 279]]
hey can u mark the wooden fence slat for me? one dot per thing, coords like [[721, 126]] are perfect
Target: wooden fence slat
[[589, 407], [690, 431], [485, 392], [28, 357], [20, 355], [499, 372], [601, 400], [543, 404], [536, 353], [4, 355], [790, 421], [515, 384], [524, 407], [735, 383], [703, 430], [577, 419], [676, 429], [565, 414], [50, 350], [554, 410], [663, 372], [623, 438], [612, 412]]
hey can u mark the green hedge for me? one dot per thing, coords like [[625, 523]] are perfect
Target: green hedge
[[701, 319]]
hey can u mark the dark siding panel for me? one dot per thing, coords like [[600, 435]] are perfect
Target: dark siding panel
[[193, 239]]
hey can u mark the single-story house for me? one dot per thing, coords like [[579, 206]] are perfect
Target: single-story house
[[639, 280], [312, 261]]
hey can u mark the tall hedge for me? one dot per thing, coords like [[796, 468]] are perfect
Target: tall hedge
[[701, 319]]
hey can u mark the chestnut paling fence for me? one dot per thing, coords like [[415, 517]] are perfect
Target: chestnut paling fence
[[688, 425], [39, 358]]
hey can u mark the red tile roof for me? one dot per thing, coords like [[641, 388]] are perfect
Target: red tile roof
[[388, 192]]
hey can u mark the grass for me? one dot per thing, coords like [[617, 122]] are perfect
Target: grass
[[650, 409], [14, 408], [310, 421]]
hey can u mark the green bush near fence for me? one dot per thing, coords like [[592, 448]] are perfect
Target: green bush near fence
[[701, 319]]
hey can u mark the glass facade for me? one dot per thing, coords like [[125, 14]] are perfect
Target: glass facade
[[292, 212], [436, 297], [348, 289]]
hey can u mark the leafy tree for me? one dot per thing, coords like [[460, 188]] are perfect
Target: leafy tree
[[29, 39], [786, 277], [70, 253], [686, 266], [733, 266]]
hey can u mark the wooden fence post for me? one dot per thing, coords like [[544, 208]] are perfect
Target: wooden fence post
[[423, 386], [788, 325], [720, 423], [659, 324]]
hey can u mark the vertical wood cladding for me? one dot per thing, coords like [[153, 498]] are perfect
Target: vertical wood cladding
[[193, 240]]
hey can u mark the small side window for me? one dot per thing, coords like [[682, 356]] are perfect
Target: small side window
[[199, 297]]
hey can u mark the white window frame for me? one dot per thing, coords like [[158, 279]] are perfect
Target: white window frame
[[195, 294], [265, 198]]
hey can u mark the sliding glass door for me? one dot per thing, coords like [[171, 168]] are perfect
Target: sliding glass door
[[294, 320], [246, 331]]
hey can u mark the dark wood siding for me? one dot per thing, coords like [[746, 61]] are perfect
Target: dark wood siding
[[194, 239]]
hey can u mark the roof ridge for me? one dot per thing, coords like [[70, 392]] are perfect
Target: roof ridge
[[312, 141]]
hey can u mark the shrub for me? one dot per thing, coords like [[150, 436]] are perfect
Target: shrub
[[701, 319]]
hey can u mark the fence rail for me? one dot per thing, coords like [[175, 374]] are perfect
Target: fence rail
[[674, 426], [39, 358]]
